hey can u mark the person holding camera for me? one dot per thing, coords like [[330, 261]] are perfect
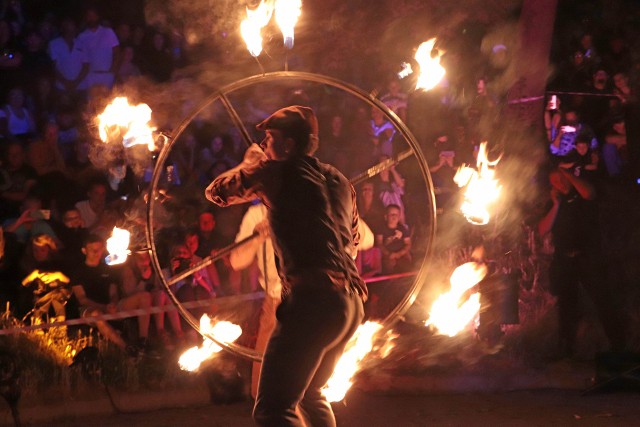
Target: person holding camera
[[565, 133]]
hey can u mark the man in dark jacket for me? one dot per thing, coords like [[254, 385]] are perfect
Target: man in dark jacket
[[313, 220]]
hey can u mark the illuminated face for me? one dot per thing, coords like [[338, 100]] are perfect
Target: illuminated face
[[143, 261], [367, 191], [41, 253], [392, 217], [274, 145], [94, 252], [97, 195], [192, 242], [206, 222], [182, 252], [72, 219], [582, 148]]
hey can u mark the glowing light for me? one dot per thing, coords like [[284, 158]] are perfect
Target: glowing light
[[132, 122], [222, 331], [251, 27], [405, 71], [482, 188], [431, 72], [287, 14], [358, 347], [118, 246], [449, 314]]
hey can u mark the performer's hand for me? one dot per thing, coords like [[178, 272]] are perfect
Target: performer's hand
[[263, 229]]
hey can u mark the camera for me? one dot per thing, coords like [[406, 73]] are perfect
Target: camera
[[183, 264]]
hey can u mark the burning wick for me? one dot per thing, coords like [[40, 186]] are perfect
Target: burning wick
[[431, 72], [223, 331], [134, 120], [358, 347], [251, 27], [117, 246], [482, 189], [405, 71], [287, 14], [449, 315]]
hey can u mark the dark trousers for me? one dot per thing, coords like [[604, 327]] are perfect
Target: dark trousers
[[313, 328], [567, 274]]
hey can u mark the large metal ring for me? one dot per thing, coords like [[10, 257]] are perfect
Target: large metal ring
[[221, 95]]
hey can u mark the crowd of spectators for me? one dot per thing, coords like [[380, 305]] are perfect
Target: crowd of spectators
[[58, 207]]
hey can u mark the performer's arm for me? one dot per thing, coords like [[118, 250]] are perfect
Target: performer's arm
[[242, 256], [238, 185]]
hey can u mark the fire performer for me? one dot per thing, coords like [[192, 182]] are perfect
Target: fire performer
[[313, 221]]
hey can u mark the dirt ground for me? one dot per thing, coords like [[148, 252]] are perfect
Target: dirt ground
[[522, 408]]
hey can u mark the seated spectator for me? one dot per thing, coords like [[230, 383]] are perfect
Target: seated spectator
[[595, 108], [95, 286], [441, 156], [370, 207], [95, 204], [72, 234], [614, 151], [15, 119], [192, 242], [33, 220], [565, 132], [582, 161], [394, 241], [21, 178], [45, 280], [122, 182], [192, 287], [138, 276]]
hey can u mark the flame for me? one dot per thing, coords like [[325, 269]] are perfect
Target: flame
[[431, 72], [134, 120], [358, 347], [251, 27], [117, 246], [222, 331], [287, 14], [405, 71], [482, 189], [448, 316]]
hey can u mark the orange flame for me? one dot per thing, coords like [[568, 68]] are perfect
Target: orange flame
[[287, 14], [118, 246], [482, 189], [251, 27], [358, 347], [133, 120], [448, 316], [222, 331], [431, 72]]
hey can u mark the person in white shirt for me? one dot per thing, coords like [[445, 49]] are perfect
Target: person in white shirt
[[71, 64], [101, 47]]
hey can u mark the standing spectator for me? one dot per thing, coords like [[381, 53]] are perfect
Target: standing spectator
[[614, 150], [128, 67], [259, 249], [391, 188], [577, 259], [595, 107], [157, 59], [36, 63], [394, 241], [71, 64], [95, 286], [101, 49], [395, 99]]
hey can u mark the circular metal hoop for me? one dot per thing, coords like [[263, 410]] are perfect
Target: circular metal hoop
[[221, 95]]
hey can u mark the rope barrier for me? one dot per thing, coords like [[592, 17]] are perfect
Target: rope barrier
[[152, 310]]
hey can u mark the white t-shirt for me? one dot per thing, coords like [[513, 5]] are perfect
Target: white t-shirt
[[68, 62], [17, 125], [98, 46], [88, 215]]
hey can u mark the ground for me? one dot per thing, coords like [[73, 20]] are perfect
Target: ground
[[521, 408]]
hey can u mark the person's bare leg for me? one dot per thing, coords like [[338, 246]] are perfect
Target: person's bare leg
[[140, 300], [106, 330]]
